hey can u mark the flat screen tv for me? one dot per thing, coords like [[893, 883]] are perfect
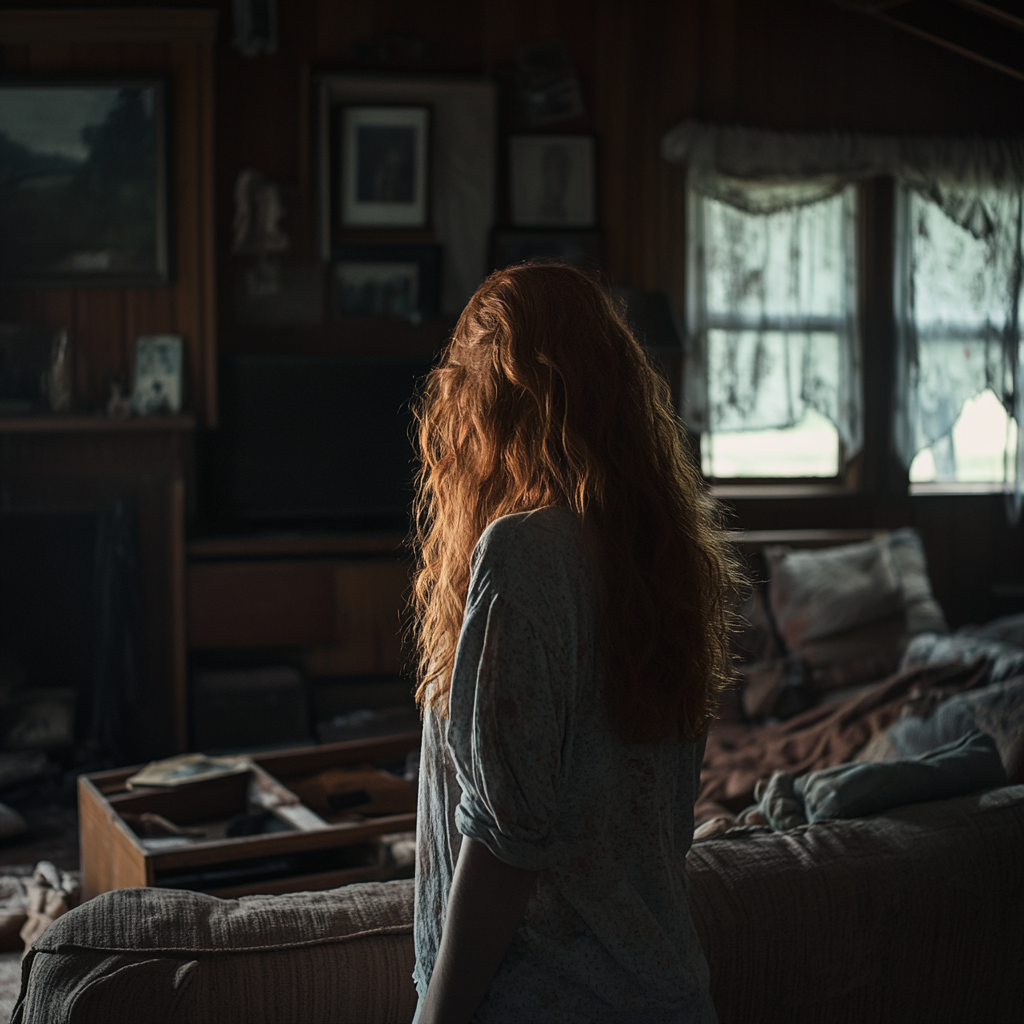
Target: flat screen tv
[[313, 442]]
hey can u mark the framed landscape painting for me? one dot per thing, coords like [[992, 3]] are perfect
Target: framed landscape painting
[[83, 191]]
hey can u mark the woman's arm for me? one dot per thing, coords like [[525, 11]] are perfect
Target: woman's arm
[[485, 905]]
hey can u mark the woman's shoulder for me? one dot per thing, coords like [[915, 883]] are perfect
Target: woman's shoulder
[[533, 556], [539, 536], [535, 563]]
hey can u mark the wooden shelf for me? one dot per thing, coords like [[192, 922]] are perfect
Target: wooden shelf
[[294, 545], [93, 424]]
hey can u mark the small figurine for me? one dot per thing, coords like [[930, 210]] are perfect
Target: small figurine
[[119, 405]]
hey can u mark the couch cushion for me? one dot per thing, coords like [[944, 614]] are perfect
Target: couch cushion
[[342, 955], [916, 914]]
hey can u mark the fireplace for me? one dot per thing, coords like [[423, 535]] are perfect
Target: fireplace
[[69, 632], [92, 522]]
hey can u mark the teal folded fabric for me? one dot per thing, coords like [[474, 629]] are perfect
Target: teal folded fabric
[[966, 765]]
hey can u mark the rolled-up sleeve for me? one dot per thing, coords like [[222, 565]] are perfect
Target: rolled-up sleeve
[[506, 732]]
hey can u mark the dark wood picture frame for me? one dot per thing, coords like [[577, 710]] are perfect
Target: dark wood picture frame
[[423, 260], [411, 167], [78, 228]]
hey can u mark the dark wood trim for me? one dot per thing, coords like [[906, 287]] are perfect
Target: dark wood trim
[[285, 546], [800, 538], [112, 25], [94, 424]]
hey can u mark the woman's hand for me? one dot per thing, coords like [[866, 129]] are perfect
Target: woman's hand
[[485, 905]]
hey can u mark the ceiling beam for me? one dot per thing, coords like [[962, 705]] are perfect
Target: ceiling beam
[[886, 11]]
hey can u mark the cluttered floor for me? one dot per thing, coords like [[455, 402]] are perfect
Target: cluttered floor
[[50, 814]]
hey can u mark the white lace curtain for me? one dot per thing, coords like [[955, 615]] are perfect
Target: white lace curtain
[[772, 322], [958, 297], [959, 253]]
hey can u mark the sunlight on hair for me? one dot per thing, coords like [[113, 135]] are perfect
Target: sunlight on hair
[[984, 444], [810, 448]]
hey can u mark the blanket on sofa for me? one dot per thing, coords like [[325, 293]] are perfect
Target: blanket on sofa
[[737, 756]]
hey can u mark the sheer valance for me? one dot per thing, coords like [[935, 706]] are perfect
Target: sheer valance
[[943, 165]]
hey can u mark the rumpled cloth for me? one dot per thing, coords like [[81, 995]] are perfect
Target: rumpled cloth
[[738, 756], [966, 765], [51, 894]]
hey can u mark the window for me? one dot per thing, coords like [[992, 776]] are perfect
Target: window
[[958, 299], [773, 375]]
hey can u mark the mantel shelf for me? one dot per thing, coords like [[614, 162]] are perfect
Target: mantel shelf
[[94, 424]]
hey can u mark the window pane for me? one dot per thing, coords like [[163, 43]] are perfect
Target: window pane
[[810, 448], [762, 379], [778, 392], [961, 300], [980, 449], [779, 265]]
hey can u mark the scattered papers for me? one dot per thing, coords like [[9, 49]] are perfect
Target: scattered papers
[[186, 769]]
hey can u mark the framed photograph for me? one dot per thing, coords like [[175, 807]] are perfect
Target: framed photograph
[[459, 180], [156, 386], [552, 179], [384, 165], [398, 281], [580, 248], [83, 183]]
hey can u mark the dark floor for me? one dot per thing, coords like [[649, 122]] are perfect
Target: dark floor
[[52, 835], [50, 809]]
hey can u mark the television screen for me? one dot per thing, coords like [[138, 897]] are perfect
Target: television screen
[[309, 439]]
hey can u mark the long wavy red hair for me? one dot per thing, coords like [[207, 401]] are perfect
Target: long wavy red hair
[[544, 397]]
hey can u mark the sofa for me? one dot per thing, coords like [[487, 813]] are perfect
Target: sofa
[[914, 914]]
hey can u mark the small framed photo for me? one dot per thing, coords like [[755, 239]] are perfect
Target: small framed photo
[[384, 164], [552, 181], [397, 281], [580, 248], [156, 386]]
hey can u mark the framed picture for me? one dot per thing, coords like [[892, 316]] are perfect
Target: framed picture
[[398, 281], [459, 190], [156, 386], [83, 183], [580, 248], [383, 164], [552, 179]]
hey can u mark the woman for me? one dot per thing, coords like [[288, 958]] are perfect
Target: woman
[[573, 627]]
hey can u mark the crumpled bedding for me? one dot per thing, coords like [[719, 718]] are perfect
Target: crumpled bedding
[[737, 755], [966, 765], [963, 646]]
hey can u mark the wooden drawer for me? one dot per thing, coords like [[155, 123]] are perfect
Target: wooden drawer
[[114, 857]]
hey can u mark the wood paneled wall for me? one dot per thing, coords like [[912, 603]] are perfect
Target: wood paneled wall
[[103, 323], [644, 65]]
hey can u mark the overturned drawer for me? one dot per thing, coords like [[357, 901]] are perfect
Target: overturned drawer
[[308, 853]]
